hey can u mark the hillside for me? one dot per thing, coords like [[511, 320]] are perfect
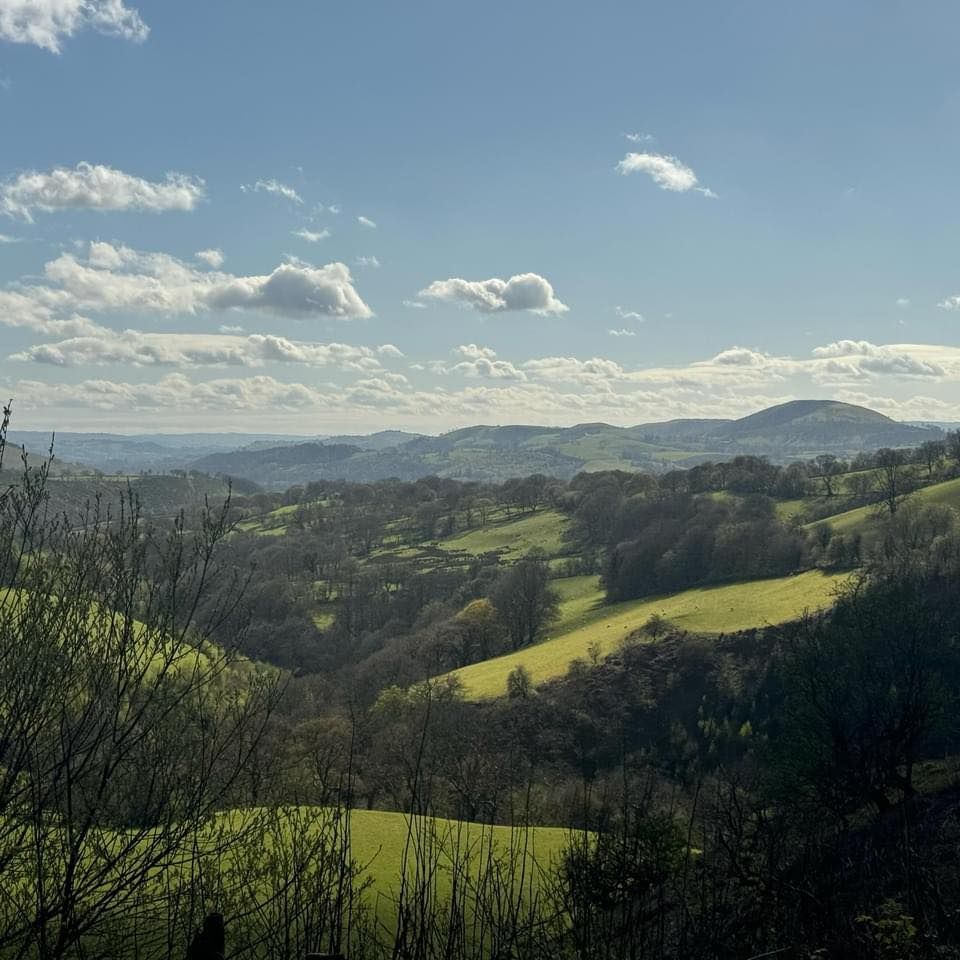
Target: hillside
[[798, 429], [588, 627]]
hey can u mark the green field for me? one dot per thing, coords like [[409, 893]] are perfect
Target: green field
[[588, 624], [385, 846], [541, 530], [856, 521], [378, 839]]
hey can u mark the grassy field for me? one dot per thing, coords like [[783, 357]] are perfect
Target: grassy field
[[587, 624], [513, 538], [385, 845], [856, 521], [378, 840]]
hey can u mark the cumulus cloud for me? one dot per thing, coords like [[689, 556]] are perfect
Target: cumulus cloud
[[622, 332], [275, 187], [189, 350], [525, 291], [668, 173], [47, 23], [367, 222], [115, 277], [860, 359], [473, 351], [294, 290], [89, 186], [489, 369], [311, 236], [45, 312], [595, 371], [213, 258]]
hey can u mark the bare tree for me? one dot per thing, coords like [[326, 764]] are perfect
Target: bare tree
[[828, 468], [123, 733], [892, 479]]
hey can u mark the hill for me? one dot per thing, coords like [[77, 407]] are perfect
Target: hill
[[590, 627], [798, 429]]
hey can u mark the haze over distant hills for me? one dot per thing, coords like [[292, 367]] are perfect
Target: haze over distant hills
[[799, 429]]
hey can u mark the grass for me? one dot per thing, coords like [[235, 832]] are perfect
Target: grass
[[541, 530], [378, 839], [385, 845], [589, 625], [858, 520]]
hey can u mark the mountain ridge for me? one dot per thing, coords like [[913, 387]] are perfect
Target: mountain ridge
[[792, 430]]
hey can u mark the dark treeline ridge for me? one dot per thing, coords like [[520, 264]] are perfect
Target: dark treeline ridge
[[787, 791]]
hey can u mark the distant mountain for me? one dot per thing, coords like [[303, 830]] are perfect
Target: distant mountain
[[795, 429], [375, 441], [787, 431], [159, 453], [800, 429]]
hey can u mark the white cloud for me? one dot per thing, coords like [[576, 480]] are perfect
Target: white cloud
[[192, 350], [640, 137], [668, 173], [631, 315], [213, 257], [481, 362], [473, 351], [45, 312], [489, 369], [230, 328], [119, 278], [546, 390], [371, 262], [860, 359], [414, 305], [293, 290], [275, 187], [525, 291], [321, 208], [903, 301], [571, 370], [367, 222], [95, 187], [622, 332], [389, 350], [4, 238], [311, 236], [47, 23]]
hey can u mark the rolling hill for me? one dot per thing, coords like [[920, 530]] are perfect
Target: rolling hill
[[589, 625], [798, 429]]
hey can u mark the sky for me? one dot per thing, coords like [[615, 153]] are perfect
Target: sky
[[314, 217]]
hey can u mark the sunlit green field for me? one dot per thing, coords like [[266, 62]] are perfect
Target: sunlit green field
[[587, 624], [386, 846], [856, 521], [541, 530], [379, 838]]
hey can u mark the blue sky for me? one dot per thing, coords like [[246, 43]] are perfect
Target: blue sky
[[705, 207]]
